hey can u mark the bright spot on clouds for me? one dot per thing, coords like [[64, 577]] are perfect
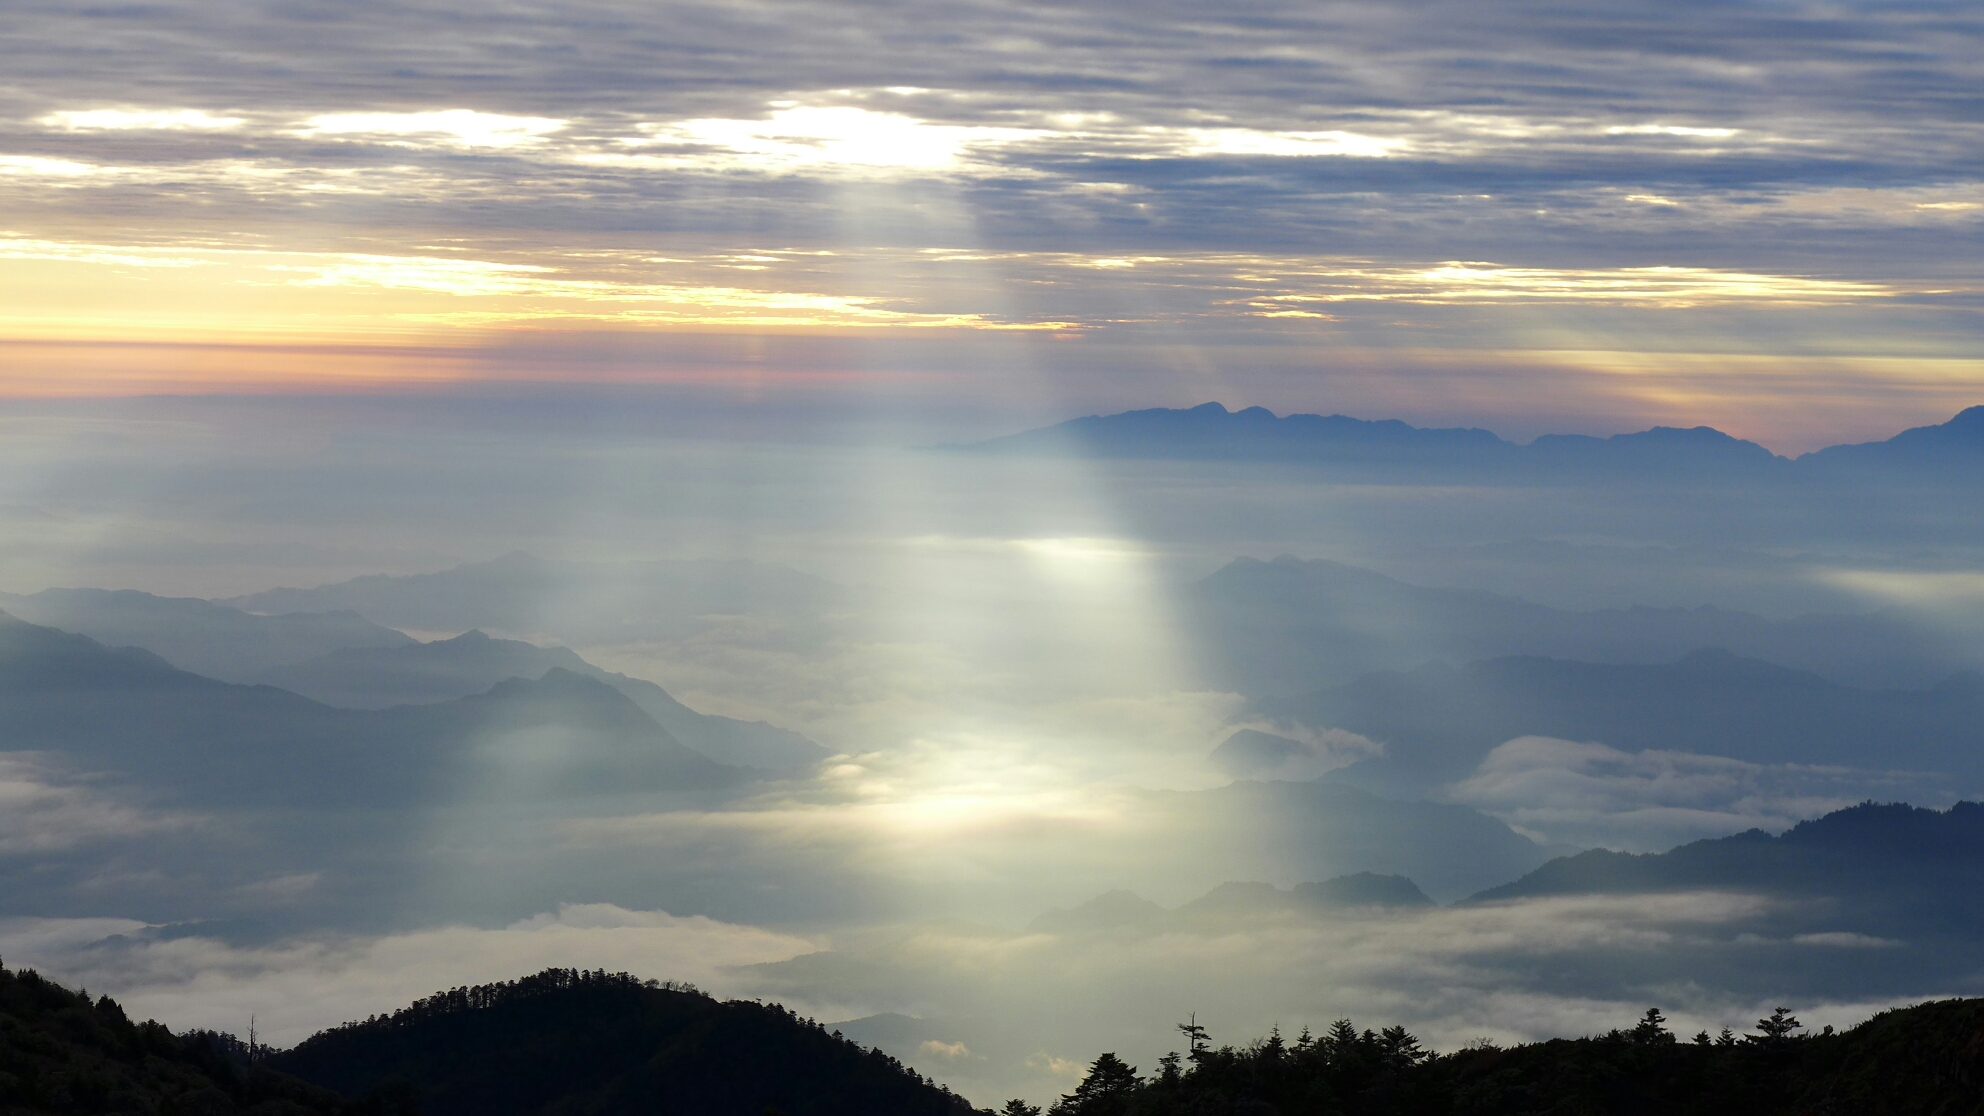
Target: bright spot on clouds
[[447, 127], [40, 165], [805, 136], [165, 120], [1930, 590]]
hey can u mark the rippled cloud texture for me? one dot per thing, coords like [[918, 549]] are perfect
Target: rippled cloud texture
[[1423, 208]]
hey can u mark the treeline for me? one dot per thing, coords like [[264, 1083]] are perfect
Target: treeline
[[1926, 1060], [482, 997], [583, 1041], [62, 1052]]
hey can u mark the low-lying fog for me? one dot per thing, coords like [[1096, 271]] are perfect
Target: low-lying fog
[[1021, 678]]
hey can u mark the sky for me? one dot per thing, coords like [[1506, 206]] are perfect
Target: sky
[[297, 292], [1593, 217]]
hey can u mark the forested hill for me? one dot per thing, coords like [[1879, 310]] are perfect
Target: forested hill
[[582, 1043], [62, 1052]]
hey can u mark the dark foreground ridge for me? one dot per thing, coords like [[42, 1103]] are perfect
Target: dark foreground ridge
[[1926, 1060], [578, 1043], [581, 1043], [62, 1052], [561, 1041]]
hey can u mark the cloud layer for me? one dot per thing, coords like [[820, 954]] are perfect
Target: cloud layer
[[1338, 184]]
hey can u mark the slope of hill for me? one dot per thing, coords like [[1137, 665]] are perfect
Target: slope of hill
[[1865, 848], [1438, 722], [582, 1043], [471, 663], [1949, 453], [61, 1052], [1290, 626], [196, 635]]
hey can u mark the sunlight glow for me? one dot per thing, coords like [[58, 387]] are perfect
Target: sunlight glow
[[839, 136]]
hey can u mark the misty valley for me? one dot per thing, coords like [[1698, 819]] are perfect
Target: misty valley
[[1246, 723]]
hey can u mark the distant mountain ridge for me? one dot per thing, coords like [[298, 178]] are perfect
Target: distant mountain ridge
[[130, 711], [1890, 857], [197, 635], [1211, 432], [581, 602]]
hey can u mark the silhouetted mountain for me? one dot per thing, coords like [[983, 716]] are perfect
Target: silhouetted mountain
[[442, 670], [1949, 453], [1438, 722], [1924, 1059], [1290, 626], [586, 602], [1392, 448], [1894, 873], [1945, 454], [61, 1052], [1210, 431], [580, 1043], [196, 635], [133, 713]]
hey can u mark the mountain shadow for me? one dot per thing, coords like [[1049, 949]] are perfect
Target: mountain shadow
[[446, 669], [1291, 626], [1119, 910], [1319, 831], [583, 1043], [1438, 722]]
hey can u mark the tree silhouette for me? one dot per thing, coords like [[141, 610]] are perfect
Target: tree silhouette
[[1108, 1089], [1650, 1032], [1018, 1107], [1196, 1038], [1778, 1027]]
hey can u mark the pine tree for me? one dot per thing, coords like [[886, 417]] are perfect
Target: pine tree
[[1196, 1039], [1777, 1028], [1650, 1031]]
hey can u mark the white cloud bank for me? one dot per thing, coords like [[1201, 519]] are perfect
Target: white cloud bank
[[1594, 795]]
